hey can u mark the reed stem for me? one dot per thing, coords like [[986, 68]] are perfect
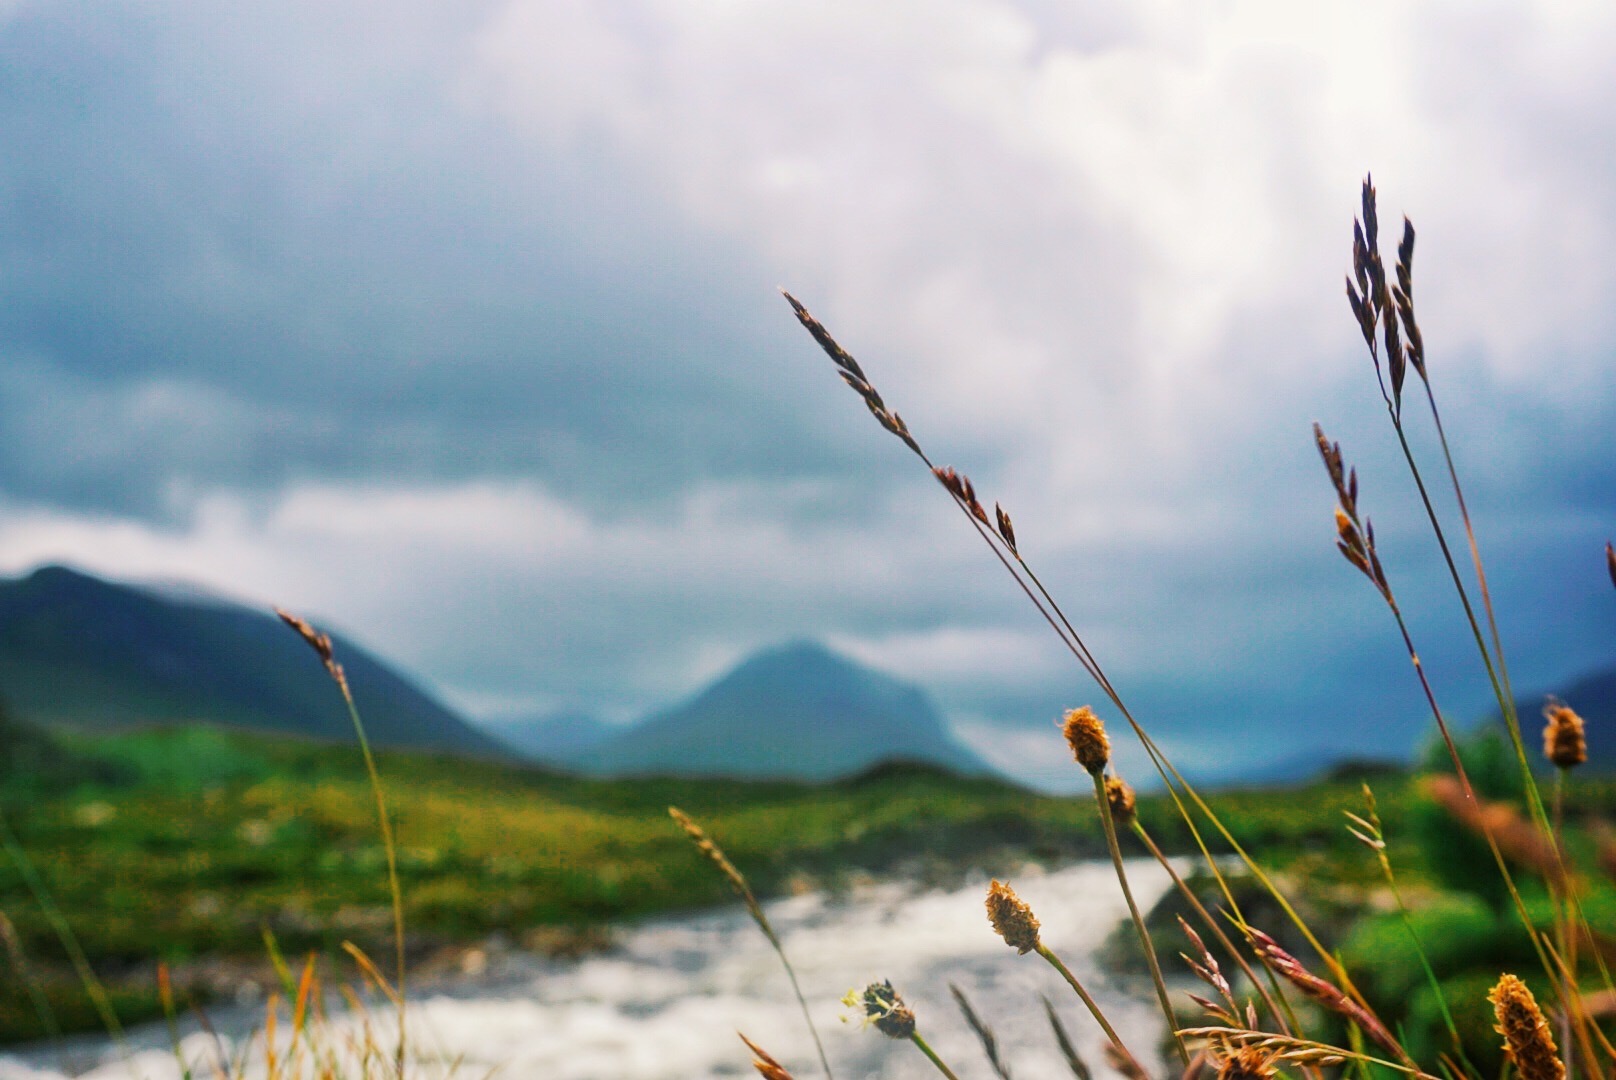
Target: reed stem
[[1094, 1009]]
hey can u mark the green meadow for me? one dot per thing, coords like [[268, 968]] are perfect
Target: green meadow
[[189, 845]]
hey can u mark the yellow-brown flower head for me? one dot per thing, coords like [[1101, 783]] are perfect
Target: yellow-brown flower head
[[1085, 734], [1012, 919], [1528, 1041], [1563, 740], [1122, 800], [1246, 1063], [887, 1011]]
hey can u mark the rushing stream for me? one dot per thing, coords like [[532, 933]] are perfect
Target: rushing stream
[[666, 1001]]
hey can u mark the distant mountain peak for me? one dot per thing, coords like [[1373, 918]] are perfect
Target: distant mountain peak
[[795, 710]]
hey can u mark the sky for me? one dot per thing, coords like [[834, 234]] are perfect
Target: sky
[[456, 326]]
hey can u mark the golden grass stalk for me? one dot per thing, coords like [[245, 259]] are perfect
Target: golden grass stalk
[[1528, 1043], [1085, 734], [321, 644], [715, 855]]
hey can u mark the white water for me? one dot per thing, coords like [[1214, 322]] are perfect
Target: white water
[[665, 1003]]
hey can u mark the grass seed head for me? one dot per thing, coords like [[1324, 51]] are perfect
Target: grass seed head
[[1085, 734], [1122, 799], [1246, 1063], [886, 1010], [1012, 919], [1528, 1042], [1563, 740]]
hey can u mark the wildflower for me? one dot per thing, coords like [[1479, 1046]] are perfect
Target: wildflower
[[884, 1008]]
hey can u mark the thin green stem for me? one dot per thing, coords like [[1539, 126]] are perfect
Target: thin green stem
[[1280, 1009], [25, 974], [1094, 1009], [1133, 910], [802, 1002], [384, 822], [925, 1048]]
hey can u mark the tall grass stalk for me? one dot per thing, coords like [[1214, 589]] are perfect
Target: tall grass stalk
[[321, 644], [715, 855]]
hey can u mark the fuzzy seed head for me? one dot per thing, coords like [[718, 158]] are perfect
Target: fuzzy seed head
[[1012, 919], [1122, 799], [886, 1010], [1563, 740], [1085, 734], [1528, 1042]]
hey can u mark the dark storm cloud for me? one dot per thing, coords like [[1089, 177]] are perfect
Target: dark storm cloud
[[291, 224], [455, 323]]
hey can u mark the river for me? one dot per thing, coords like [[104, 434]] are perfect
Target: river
[[666, 1001]]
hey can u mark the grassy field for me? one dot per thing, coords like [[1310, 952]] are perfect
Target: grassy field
[[188, 844]]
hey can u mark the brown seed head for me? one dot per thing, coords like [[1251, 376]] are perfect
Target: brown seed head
[[712, 851], [1246, 1063], [887, 1011], [1563, 740], [1122, 799], [1012, 919], [1528, 1041], [1085, 734], [320, 643]]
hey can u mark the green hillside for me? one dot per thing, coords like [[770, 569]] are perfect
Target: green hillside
[[79, 652]]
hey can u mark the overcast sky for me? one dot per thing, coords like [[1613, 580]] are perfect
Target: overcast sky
[[455, 324]]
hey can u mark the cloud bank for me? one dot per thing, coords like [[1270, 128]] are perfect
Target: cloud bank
[[458, 326]]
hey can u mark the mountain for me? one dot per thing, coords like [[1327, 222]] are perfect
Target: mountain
[[798, 711], [76, 651], [557, 738]]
